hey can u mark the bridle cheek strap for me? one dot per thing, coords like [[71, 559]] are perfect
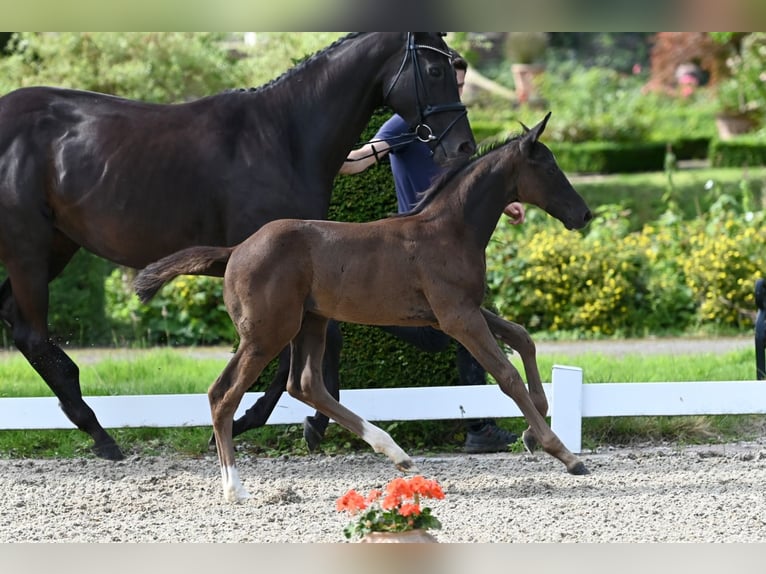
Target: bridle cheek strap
[[423, 131]]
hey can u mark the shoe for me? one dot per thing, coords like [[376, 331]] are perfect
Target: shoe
[[489, 438]]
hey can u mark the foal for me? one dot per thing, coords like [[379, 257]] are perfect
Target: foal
[[427, 267]]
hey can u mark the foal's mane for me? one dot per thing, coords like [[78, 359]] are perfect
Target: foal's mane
[[444, 179], [290, 72]]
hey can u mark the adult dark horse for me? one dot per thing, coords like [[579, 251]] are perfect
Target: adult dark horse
[[289, 278], [133, 182]]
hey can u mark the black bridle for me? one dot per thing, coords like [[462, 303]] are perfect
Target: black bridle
[[422, 131]]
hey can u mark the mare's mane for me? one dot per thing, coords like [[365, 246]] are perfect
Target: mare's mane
[[443, 180], [290, 72]]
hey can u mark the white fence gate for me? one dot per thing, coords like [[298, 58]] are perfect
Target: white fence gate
[[570, 401]]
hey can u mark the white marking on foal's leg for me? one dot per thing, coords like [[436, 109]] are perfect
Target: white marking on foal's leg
[[233, 491], [381, 442]]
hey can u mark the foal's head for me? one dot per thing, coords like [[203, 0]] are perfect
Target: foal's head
[[541, 182]]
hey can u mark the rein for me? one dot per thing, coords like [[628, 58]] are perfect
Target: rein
[[423, 131]]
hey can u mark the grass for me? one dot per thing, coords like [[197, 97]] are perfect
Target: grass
[[159, 371]]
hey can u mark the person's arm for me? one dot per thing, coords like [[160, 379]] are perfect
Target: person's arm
[[515, 212], [360, 159]]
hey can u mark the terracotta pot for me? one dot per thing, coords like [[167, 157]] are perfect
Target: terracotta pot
[[417, 536], [733, 124], [524, 76]]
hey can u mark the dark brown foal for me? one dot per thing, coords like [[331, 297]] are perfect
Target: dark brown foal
[[427, 267]]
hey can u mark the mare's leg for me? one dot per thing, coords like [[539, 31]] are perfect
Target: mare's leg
[[315, 427], [517, 337], [305, 384], [472, 330], [24, 306]]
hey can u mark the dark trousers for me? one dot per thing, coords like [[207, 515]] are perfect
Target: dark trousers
[[431, 340]]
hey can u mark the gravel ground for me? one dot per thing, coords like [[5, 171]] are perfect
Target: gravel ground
[[638, 494], [651, 494]]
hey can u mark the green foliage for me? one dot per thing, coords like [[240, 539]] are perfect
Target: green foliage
[[669, 276], [186, 311], [595, 104], [153, 66]]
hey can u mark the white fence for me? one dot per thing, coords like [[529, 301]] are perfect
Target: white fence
[[570, 401]]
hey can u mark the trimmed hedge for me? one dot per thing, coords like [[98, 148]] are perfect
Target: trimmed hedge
[[607, 157], [741, 151]]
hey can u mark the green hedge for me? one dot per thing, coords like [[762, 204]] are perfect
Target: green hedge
[[741, 151], [607, 157], [77, 302]]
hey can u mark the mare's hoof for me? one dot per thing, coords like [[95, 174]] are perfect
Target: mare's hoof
[[529, 440], [108, 451], [311, 435], [578, 469]]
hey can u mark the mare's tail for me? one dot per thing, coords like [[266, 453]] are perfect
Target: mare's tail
[[190, 261]]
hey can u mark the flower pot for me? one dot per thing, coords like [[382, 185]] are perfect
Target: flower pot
[[418, 535], [732, 124], [524, 77]]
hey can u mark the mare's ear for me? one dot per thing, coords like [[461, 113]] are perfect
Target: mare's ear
[[532, 135], [524, 127]]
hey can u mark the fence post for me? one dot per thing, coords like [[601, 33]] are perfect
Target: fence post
[[760, 330], [566, 406]]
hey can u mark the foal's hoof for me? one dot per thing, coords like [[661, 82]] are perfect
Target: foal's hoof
[[211, 444], [578, 469], [311, 435], [529, 440], [108, 451], [407, 466]]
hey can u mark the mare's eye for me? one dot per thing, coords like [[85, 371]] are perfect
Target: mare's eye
[[435, 72]]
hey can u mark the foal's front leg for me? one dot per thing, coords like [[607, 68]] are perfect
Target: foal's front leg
[[517, 337], [471, 329], [305, 384]]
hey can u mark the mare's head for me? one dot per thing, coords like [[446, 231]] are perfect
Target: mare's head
[[419, 84], [541, 182]]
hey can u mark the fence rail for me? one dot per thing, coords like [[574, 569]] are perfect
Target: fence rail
[[570, 401]]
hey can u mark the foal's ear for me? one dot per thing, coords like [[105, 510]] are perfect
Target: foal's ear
[[532, 135]]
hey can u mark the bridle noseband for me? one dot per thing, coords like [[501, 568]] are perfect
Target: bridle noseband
[[422, 130]]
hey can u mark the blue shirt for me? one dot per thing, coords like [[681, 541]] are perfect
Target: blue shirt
[[412, 165]]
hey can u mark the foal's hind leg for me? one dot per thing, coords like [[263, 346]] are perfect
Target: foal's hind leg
[[225, 395], [305, 384], [24, 306], [257, 415], [315, 426]]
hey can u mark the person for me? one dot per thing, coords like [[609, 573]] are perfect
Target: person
[[414, 169]]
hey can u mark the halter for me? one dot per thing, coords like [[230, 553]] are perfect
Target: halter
[[423, 131]]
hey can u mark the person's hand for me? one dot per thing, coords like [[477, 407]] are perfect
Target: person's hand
[[515, 212]]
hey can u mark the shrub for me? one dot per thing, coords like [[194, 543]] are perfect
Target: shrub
[[667, 277]]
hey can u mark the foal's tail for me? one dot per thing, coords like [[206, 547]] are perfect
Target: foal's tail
[[191, 261]]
